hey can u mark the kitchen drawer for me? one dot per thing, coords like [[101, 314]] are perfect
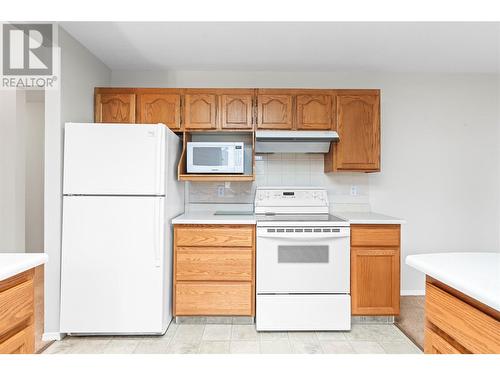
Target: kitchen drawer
[[214, 235], [20, 343], [375, 235], [213, 298], [470, 327], [214, 264], [16, 306], [435, 344]]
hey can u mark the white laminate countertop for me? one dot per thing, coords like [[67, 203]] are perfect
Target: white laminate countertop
[[368, 218], [474, 274], [209, 217], [13, 263]]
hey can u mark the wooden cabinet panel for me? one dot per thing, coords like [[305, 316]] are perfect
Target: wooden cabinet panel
[[472, 328], [375, 235], [236, 112], [213, 298], [435, 344], [214, 269], [314, 112], [358, 126], [200, 111], [375, 281], [17, 332], [16, 306], [115, 108], [20, 343], [214, 264], [159, 108], [274, 112], [214, 235]]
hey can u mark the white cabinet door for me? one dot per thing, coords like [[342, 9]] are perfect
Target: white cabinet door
[[114, 159], [113, 272]]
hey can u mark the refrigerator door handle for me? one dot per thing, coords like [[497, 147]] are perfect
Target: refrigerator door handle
[[157, 234]]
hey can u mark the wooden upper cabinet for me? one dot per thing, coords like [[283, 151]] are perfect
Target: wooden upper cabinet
[[274, 112], [358, 126], [159, 108], [115, 108], [314, 112], [200, 111], [236, 111]]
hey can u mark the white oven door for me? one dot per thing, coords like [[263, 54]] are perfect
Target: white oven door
[[290, 260]]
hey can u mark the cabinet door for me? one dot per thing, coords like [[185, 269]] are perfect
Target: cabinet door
[[314, 112], [115, 108], [160, 108], [236, 111], [200, 111], [274, 112], [20, 343], [358, 126], [374, 281]]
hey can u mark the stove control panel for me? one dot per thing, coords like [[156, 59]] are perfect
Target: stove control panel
[[291, 198]]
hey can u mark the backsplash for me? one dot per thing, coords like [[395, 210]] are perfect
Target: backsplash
[[286, 170]]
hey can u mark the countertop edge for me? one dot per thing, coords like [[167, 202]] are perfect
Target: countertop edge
[[211, 219], [424, 267], [20, 266]]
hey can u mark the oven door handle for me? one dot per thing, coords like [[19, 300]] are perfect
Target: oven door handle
[[304, 236]]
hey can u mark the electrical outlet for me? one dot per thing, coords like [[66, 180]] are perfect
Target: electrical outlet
[[220, 191], [227, 184], [354, 190]]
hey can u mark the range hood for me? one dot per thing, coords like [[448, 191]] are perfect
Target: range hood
[[299, 141]]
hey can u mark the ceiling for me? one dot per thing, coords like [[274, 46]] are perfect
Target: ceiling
[[351, 47]]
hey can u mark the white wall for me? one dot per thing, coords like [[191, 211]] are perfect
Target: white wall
[[34, 136], [80, 73], [21, 171], [440, 158], [11, 175]]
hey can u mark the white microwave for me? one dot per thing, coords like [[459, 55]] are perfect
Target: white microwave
[[215, 157]]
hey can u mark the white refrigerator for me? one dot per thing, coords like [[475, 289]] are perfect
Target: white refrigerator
[[120, 192]]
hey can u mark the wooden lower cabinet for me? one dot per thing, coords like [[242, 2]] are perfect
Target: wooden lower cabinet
[[21, 342], [456, 323], [17, 314], [375, 269], [214, 270], [213, 298]]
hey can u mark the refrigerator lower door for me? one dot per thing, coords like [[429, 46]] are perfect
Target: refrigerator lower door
[[100, 159], [113, 265]]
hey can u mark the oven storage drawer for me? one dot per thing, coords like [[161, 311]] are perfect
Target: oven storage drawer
[[303, 312]]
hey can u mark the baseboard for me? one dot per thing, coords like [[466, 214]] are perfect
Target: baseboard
[[51, 336], [413, 292]]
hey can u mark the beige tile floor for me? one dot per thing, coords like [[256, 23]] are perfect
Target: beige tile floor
[[227, 338]]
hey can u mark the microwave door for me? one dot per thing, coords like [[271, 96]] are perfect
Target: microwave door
[[207, 159]]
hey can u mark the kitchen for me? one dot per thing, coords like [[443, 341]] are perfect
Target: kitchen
[[254, 211]]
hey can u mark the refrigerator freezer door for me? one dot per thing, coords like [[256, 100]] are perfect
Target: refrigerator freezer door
[[113, 269], [114, 159]]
